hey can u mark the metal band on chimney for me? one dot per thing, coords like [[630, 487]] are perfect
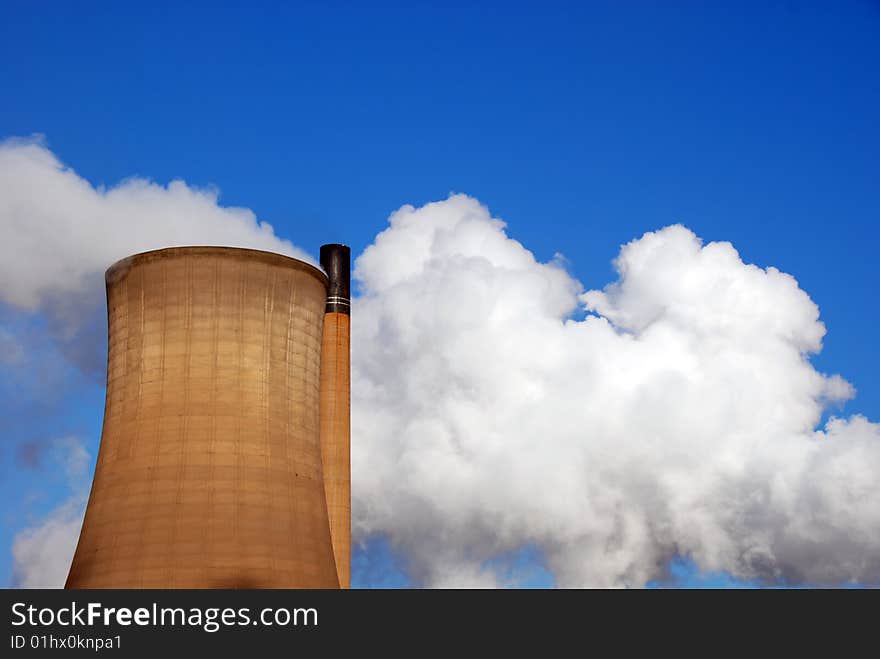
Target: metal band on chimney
[[336, 261]]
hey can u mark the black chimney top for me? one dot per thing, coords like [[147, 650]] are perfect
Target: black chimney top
[[336, 261]]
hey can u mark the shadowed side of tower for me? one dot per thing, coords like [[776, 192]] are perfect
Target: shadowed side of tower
[[336, 405], [209, 473]]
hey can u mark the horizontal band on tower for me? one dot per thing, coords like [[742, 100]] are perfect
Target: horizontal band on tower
[[337, 305]]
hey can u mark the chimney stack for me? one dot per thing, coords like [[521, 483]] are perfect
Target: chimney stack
[[336, 404]]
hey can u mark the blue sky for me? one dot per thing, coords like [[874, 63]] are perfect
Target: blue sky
[[582, 125]]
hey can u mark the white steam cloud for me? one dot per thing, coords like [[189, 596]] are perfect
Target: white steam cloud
[[60, 234], [42, 552], [676, 417], [496, 404], [59, 230]]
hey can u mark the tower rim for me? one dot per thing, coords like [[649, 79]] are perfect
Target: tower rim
[[120, 267]]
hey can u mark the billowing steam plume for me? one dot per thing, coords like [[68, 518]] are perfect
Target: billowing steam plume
[[498, 405], [676, 417]]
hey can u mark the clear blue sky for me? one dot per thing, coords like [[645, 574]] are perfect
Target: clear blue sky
[[582, 125]]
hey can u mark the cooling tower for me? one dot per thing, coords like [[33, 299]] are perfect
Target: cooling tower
[[210, 471]]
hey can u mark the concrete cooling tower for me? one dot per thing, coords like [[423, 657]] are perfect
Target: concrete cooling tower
[[224, 458]]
